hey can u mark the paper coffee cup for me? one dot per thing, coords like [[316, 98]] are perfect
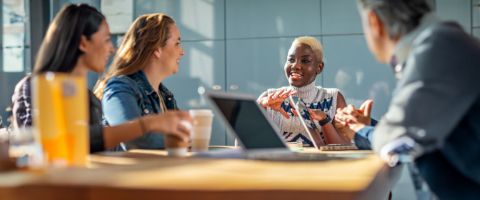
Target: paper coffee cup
[[175, 146], [202, 129]]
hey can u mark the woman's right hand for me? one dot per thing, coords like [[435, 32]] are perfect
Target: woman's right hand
[[275, 99], [176, 123]]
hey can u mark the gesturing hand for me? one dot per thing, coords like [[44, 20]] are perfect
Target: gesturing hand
[[350, 120], [275, 99], [317, 114]]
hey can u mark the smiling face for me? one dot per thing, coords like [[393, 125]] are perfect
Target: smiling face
[[172, 51], [302, 66], [97, 49]]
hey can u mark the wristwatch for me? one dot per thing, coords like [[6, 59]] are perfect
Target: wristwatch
[[325, 121]]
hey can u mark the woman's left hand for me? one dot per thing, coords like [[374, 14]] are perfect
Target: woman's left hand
[[317, 114]]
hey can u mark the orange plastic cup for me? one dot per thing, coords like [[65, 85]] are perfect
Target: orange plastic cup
[[60, 115]]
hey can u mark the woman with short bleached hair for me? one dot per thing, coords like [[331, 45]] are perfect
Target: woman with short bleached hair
[[304, 62]]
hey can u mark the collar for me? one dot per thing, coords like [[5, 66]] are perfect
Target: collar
[[306, 90], [142, 82], [165, 92], [403, 47]]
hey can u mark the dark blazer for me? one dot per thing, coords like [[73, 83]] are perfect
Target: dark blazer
[[437, 103]]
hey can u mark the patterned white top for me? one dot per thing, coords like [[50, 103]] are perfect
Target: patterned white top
[[315, 97]]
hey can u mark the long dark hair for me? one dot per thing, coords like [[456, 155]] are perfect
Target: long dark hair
[[60, 51]]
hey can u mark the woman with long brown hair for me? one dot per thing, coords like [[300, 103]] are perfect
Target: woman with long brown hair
[[78, 41], [149, 53]]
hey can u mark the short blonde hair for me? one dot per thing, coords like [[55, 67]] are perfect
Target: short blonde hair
[[312, 42]]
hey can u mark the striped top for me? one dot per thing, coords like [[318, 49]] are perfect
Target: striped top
[[315, 97]]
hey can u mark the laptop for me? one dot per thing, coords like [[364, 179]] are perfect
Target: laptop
[[313, 131], [258, 136]]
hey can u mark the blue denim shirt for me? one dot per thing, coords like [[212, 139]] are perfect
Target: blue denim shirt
[[364, 136], [128, 97]]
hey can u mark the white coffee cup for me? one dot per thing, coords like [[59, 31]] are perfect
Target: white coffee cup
[[175, 146], [202, 129]]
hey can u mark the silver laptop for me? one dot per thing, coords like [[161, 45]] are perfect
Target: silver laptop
[[256, 133]]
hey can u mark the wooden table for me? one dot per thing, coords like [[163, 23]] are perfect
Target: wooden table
[[151, 175]]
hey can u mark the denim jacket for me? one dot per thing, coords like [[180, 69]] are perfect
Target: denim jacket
[[128, 97]]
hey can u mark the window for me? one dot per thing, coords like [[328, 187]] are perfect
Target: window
[[15, 45]]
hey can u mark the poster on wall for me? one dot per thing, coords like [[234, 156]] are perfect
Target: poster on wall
[[119, 14]]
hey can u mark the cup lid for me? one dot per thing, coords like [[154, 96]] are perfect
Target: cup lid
[[201, 112]]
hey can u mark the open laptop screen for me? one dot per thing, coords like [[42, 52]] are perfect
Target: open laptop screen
[[248, 121]]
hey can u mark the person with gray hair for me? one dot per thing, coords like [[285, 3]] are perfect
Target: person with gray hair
[[304, 62], [434, 115]]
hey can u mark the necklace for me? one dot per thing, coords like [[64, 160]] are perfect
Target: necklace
[[163, 107]]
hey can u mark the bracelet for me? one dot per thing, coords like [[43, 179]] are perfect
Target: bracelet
[[142, 126], [325, 121]]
